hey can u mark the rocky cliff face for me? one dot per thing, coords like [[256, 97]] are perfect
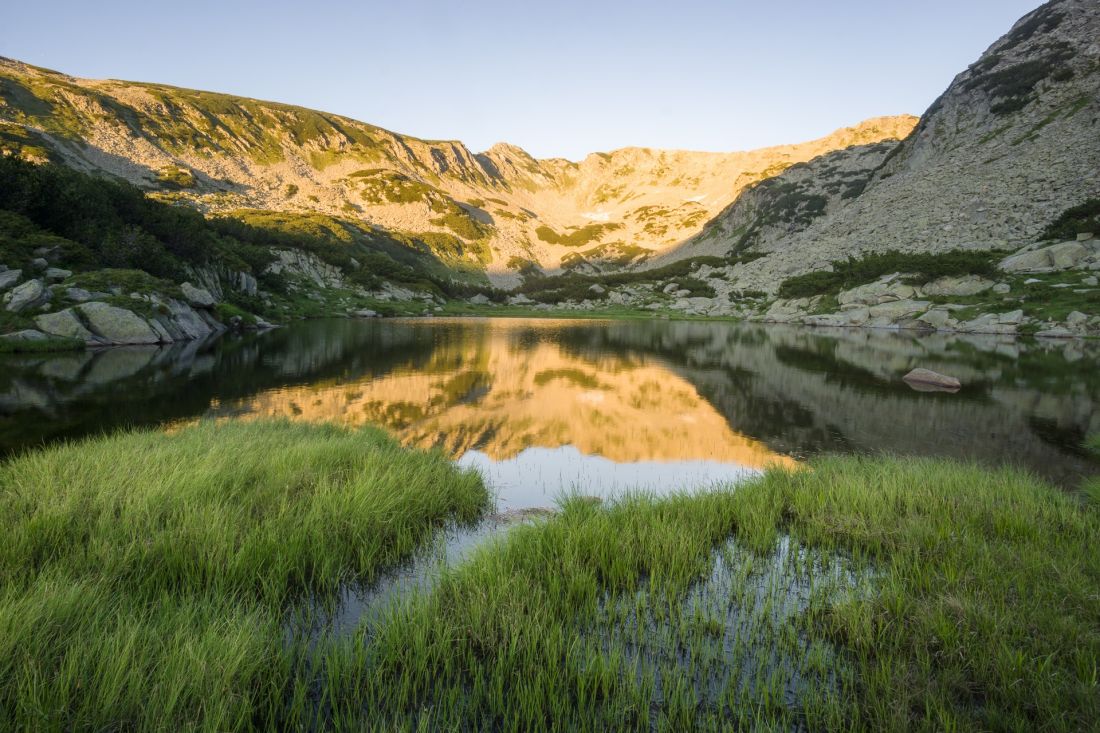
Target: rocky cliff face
[[1010, 145], [502, 210]]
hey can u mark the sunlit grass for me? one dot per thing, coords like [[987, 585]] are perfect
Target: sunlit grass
[[152, 581], [918, 595], [145, 578]]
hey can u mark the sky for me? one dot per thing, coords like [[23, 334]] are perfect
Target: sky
[[558, 78]]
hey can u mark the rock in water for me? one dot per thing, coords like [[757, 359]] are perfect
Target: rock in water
[[928, 380]]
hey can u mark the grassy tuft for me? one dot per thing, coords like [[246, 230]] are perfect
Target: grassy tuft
[[145, 578], [969, 604]]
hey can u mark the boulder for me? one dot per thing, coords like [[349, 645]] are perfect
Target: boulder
[[365, 313], [78, 295], [937, 319], [9, 278], [883, 291], [479, 299], [1091, 281], [1057, 332], [597, 289], [1002, 288], [117, 325], [65, 324], [1055, 257], [30, 294], [898, 309], [520, 299], [929, 378], [39, 263], [196, 296], [56, 274], [958, 286], [1076, 318]]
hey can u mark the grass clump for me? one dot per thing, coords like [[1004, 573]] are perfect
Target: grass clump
[[919, 268], [578, 237], [145, 578], [969, 604]]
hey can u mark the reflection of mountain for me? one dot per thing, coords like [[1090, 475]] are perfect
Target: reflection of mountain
[[625, 390], [507, 386], [803, 391]]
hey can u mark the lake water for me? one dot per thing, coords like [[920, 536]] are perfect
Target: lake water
[[594, 407]]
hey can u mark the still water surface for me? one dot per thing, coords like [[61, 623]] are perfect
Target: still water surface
[[595, 407]]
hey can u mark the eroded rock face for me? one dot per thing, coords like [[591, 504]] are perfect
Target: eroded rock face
[[118, 325]]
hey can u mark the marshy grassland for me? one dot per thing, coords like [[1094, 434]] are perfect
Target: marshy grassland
[[150, 581], [145, 578]]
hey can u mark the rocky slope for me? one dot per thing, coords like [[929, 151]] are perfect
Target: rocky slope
[[501, 210], [1009, 146]]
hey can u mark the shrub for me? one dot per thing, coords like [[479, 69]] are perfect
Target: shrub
[[1074, 221]]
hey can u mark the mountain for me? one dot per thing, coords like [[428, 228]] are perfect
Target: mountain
[[499, 211], [1006, 149]]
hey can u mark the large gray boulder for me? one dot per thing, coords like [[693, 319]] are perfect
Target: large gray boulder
[[958, 286], [883, 291], [198, 297], [65, 324], [118, 325], [30, 294], [926, 378], [899, 309], [1061, 256], [9, 278]]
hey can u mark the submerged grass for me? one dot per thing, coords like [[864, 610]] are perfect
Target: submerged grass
[[145, 578], [949, 597]]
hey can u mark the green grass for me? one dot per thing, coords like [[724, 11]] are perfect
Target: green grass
[[947, 597], [145, 578]]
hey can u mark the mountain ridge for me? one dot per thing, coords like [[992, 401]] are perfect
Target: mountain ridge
[[221, 152]]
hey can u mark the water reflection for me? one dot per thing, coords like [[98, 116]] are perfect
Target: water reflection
[[554, 403]]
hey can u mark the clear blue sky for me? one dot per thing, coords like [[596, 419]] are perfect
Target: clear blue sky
[[559, 78]]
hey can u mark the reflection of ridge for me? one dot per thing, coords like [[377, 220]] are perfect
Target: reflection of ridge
[[501, 400]]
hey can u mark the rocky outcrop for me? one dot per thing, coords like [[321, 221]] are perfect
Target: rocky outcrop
[[1009, 146]]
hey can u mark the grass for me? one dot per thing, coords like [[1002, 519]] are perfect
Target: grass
[[145, 578], [864, 594], [152, 580]]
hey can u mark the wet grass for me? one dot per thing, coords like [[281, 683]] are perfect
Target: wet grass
[[145, 578], [888, 595], [153, 581]]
